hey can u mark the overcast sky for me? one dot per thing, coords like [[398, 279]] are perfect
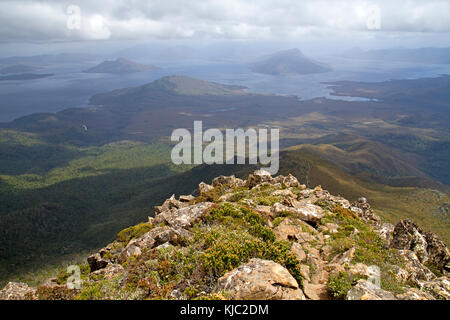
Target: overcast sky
[[56, 20]]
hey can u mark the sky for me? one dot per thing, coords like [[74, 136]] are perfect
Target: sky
[[87, 20]]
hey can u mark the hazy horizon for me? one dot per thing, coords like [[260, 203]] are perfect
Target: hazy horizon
[[316, 27]]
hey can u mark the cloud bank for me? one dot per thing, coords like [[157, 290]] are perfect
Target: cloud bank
[[33, 20]]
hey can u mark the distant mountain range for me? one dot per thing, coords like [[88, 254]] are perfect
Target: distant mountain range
[[420, 55], [25, 76], [176, 84], [289, 62], [18, 68], [48, 59], [120, 65]]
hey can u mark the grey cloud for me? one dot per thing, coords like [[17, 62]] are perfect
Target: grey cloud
[[237, 19]]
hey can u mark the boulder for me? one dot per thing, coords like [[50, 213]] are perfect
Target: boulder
[[265, 211], [261, 280], [110, 252], [400, 274], [228, 181], [362, 200], [304, 211], [286, 194], [319, 274], [286, 231], [17, 291], [96, 262], [154, 238], [326, 252], [408, 236], [258, 177], [427, 246], [363, 210], [315, 291], [305, 272], [414, 294], [385, 231], [279, 209], [183, 217], [439, 287], [329, 227], [366, 290], [417, 272], [109, 272], [438, 252], [292, 230], [345, 257], [340, 201], [298, 251], [187, 198], [287, 181], [204, 188], [308, 212], [169, 204]]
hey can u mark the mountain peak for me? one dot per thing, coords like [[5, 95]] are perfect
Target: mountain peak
[[293, 51], [263, 232], [120, 65], [185, 85], [288, 62]]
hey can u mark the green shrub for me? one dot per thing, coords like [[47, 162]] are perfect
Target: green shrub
[[91, 291], [325, 204], [339, 284], [276, 222], [213, 194], [239, 195], [190, 292], [262, 232], [133, 232], [370, 248], [223, 256], [63, 275]]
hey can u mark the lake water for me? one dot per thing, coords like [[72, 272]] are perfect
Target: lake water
[[70, 87]]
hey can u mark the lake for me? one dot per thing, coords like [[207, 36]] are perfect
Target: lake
[[70, 87]]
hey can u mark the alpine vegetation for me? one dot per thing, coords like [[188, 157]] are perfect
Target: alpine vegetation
[[263, 238]]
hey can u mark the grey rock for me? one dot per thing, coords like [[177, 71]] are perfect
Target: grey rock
[[154, 238], [258, 177], [260, 280], [17, 291], [183, 217], [366, 290], [96, 262], [408, 236]]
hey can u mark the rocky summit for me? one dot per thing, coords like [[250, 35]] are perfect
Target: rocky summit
[[263, 238]]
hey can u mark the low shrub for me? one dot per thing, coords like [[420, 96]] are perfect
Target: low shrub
[[133, 232]]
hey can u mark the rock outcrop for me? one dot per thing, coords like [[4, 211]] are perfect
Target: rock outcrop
[[183, 216], [427, 246], [152, 239], [260, 238], [261, 280], [366, 290], [17, 291]]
